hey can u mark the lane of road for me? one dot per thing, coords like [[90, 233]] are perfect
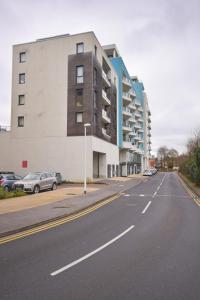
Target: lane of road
[[158, 259]]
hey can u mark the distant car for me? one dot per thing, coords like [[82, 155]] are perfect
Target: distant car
[[7, 181], [147, 173], [58, 177], [153, 170], [36, 182]]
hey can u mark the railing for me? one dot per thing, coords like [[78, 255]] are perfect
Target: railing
[[105, 133], [127, 95], [4, 128], [126, 109], [104, 94], [104, 75], [105, 116], [126, 80]]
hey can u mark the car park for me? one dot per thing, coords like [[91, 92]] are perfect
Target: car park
[[7, 181], [36, 182], [58, 177]]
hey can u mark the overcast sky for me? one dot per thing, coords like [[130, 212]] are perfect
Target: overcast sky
[[159, 41]]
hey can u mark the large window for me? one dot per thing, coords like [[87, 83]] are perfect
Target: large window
[[22, 78], [21, 99], [22, 57], [79, 117], [79, 48], [20, 121], [79, 74], [95, 99], [95, 76], [79, 97]]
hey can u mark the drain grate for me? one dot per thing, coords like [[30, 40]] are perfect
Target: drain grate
[[70, 194], [61, 206]]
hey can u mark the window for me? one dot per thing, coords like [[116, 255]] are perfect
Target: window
[[95, 99], [79, 97], [79, 74], [20, 121], [79, 48], [79, 117], [22, 78], [95, 118], [95, 76], [21, 99], [95, 50], [22, 57]]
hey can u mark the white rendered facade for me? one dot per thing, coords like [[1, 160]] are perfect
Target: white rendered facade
[[39, 126]]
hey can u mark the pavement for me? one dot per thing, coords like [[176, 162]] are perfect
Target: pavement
[[18, 214]]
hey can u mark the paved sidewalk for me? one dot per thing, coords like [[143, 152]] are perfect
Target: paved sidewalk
[[26, 218]]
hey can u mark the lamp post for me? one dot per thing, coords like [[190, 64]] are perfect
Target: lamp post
[[85, 156]]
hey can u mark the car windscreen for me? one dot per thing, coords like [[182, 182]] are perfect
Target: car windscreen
[[32, 176]]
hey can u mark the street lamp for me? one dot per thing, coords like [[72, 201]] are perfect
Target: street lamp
[[85, 157]]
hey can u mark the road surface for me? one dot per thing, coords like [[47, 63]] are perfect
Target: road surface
[[144, 245]]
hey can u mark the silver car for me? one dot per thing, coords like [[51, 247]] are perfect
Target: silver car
[[36, 182]]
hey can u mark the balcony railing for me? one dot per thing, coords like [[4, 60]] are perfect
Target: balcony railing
[[126, 81], [126, 112], [127, 127], [106, 79], [132, 93], [105, 116], [105, 98], [126, 98], [137, 115], [132, 106], [106, 135]]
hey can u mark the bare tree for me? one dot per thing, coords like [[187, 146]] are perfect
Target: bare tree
[[193, 142]]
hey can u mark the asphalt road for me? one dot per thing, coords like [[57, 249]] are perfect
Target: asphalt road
[[144, 245]]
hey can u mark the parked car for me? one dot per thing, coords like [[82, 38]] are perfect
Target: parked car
[[147, 173], [58, 177], [6, 172], [153, 170], [7, 181], [36, 182]]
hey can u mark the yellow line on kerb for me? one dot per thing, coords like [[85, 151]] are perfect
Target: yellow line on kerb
[[53, 224], [191, 194]]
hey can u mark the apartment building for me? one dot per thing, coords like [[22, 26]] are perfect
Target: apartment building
[[132, 118], [58, 85], [61, 83]]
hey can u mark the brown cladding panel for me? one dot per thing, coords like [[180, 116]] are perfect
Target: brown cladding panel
[[84, 59], [89, 87]]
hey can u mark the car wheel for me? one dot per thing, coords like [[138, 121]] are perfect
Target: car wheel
[[54, 186], [6, 188], [36, 189]]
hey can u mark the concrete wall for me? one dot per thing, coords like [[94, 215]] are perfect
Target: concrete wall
[[61, 154]]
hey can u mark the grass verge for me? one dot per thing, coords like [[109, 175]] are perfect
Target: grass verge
[[191, 185], [12, 194]]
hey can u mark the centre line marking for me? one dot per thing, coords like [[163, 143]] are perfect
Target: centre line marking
[[143, 212], [158, 187], [91, 253]]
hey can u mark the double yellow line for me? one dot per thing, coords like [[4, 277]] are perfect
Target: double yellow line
[[191, 194], [56, 223]]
